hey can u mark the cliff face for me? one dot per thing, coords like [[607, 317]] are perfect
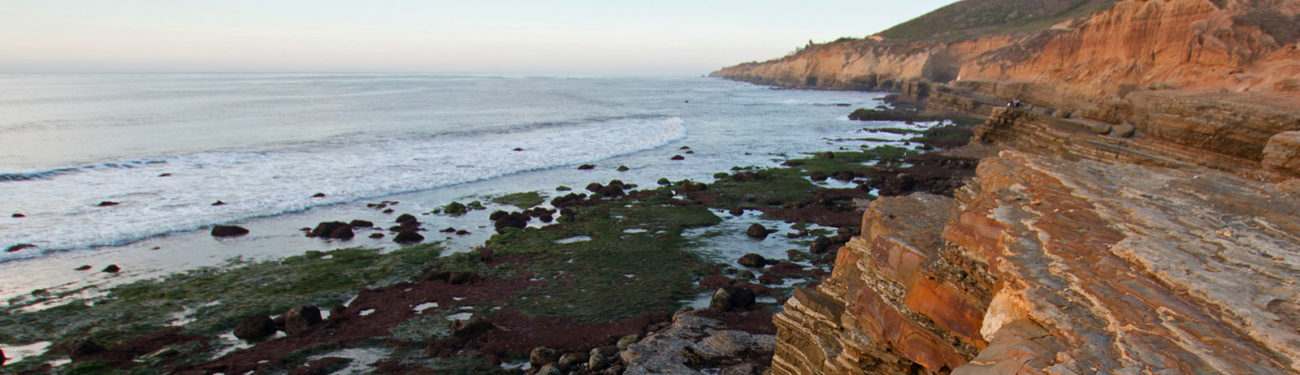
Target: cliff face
[[1191, 46], [1073, 253]]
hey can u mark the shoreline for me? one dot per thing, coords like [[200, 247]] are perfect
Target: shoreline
[[717, 198]]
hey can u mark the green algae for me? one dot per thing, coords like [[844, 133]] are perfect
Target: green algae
[[522, 200], [212, 299]]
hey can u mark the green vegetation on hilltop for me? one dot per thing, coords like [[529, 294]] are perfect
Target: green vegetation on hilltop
[[970, 19]]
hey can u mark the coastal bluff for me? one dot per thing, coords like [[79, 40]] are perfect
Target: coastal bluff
[[1138, 212], [1073, 250]]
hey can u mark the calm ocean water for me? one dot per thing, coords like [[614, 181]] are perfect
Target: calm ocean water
[[166, 147]]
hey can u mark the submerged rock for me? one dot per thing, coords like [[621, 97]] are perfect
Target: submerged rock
[[407, 237], [332, 229], [757, 231], [752, 260], [112, 268], [228, 231]]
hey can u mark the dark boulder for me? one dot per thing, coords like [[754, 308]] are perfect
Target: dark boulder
[[407, 237], [586, 167], [820, 245], [678, 157], [757, 231], [542, 355], [407, 219], [218, 203], [361, 224], [19, 247], [737, 211], [342, 233], [255, 328], [845, 176], [228, 231], [318, 195], [18, 215], [595, 187], [84, 348], [83, 267], [752, 260], [818, 176], [107, 204], [112, 268], [623, 168], [376, 235], [300, 318], [732, 298], [324, 228], [513, 220], [692, 186], [463, 329], [497, 215]]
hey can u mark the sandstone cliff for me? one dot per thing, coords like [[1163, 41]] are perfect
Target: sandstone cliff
[[1070, 252], [1189, 46]]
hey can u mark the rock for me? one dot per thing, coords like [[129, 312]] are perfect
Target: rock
[[228, 231], [692, 186], [736, 211], [732, 298], [624, 341], [408, 237], [513, 220], [542, 355], [343, 232], [770, 278], [820, 245], [318, 195], [569, 361], [337, 311], [331, 229], [463, 329], [517, 149], [845, 176], [361, 224], [19, 247], [595, 187], [112, 268], [376, 235], [407, 219], [818, 176], [218, 203], [678, 157], [757, 231], [165, 175], [690, 341], [1124, 130], [752, 260], [463, 232], [1282, 153], [623, 168], [596, 360], [255, 328], [388, 211], [300, 318], [107, 204], [83, 267], [549, 369], [84, 348], [586, 167]]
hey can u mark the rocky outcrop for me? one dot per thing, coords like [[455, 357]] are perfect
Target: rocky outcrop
[[1050, 265]]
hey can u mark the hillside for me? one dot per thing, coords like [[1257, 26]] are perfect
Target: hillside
[[977, 18]]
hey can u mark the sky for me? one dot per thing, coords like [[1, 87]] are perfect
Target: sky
[[564, 37]]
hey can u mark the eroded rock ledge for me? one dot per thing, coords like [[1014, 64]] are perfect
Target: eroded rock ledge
[[1060, 258]]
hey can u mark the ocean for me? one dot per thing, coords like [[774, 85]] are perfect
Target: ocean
[[165, 147]]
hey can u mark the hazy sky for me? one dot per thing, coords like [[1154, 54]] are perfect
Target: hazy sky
[[587, 37]]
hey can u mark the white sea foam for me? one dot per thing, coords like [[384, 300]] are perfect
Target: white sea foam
[[62, 209]]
